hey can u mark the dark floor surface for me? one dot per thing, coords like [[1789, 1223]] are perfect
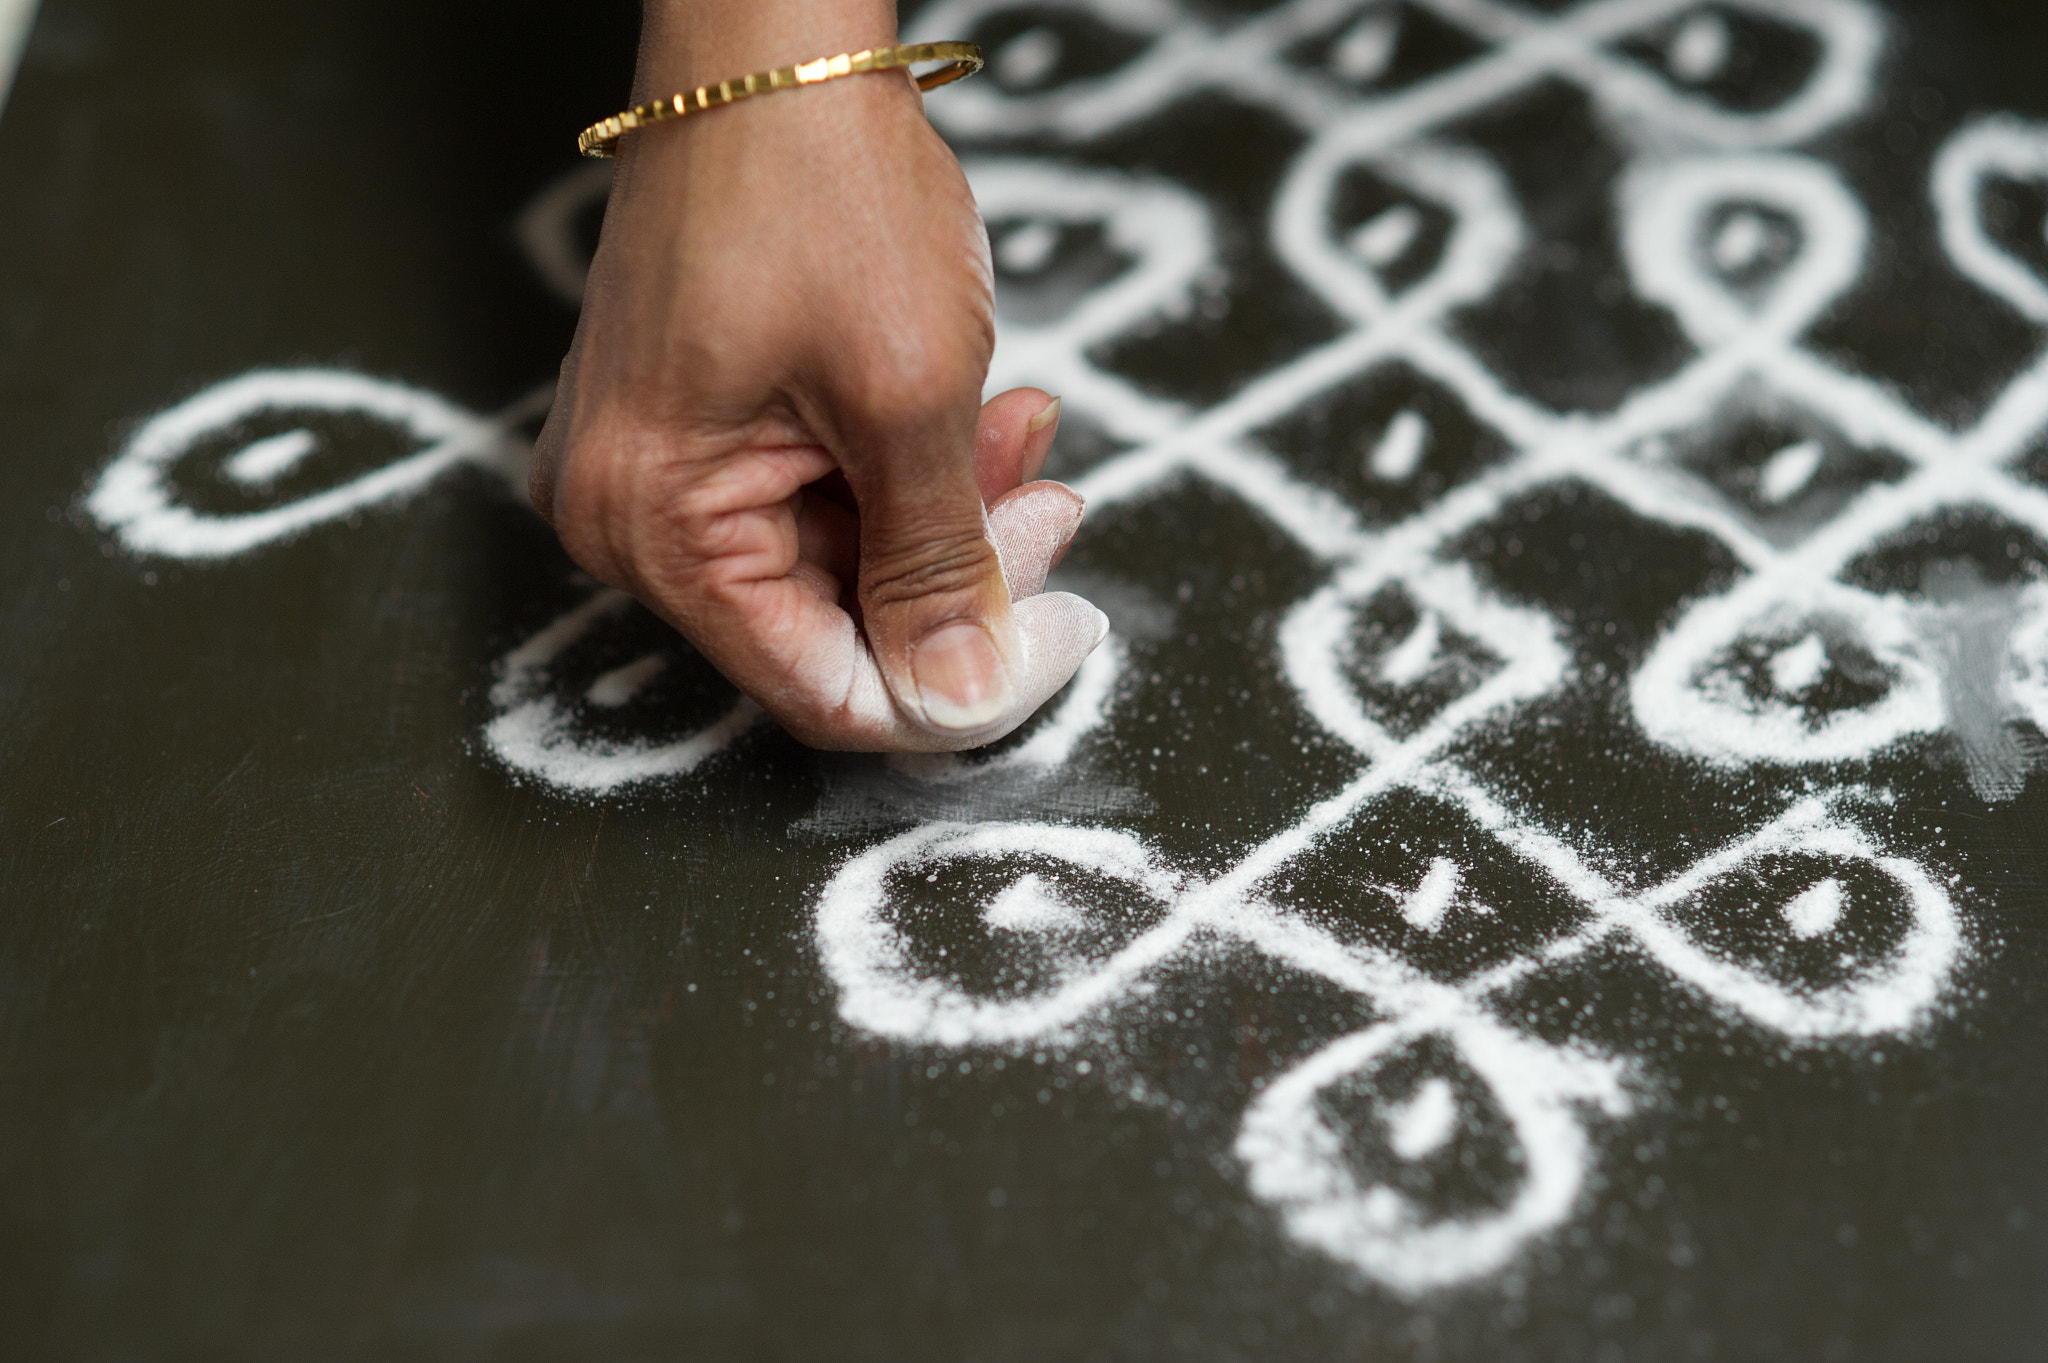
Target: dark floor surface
[[335, 1024]]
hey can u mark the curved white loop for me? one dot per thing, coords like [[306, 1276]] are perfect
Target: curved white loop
[[883, 991], [135, 499], [1317, 642], [1087, 107], [1683, 699], [1295, 1156], [1848, 34], [1164, 229], [546, 229], [1892, 995], [1486, 226], [1666, 208], [534, 730], [1296, 1160], [1251, 60], [2004, 146]]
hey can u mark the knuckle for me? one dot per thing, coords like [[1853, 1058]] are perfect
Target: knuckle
[[543, 476], [943, 563], [893, 389], [594, 494], [583, 472], [544, 473]]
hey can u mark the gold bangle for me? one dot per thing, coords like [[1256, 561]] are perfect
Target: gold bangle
[[961, 60]]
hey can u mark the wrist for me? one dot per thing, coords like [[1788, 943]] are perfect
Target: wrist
[[686, 43]]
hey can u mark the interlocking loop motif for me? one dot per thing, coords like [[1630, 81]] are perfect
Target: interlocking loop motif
[[1805, 928]]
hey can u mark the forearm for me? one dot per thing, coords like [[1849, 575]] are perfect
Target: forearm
[[685, 43]]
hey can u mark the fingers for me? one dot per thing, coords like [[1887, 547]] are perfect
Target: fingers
[[828, 542], [753, 562], [1012, 439], [1055, 633], [1031, 527], [1011, 442], [939, 621], [932, 599], [1059, 630], [934, 594]]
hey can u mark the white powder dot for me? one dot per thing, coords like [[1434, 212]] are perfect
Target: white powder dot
[[1816, 910], [1789, 472], [1366, 52], [1029, 905], [1741, 242], [1798, 667], [621, 684], [1700, 49], [1027, 59], [1426, 907], [1384, 238], [1399, 450], [1027, 249], [1410, 660], [1421, 1125], [266, 461]]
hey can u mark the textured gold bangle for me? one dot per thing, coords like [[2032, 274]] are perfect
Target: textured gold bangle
[[961, 59]]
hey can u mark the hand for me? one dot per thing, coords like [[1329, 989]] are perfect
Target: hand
[[769, 426]]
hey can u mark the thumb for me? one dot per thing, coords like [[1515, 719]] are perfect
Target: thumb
[[959, 662]]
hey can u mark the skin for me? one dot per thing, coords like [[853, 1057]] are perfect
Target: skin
[[770, 428]]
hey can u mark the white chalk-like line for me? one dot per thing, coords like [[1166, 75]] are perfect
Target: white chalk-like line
[[1696, 215], [1296, 1160], [1293, 1159], [136, 497], [2004, 146], [535, 729], [546, 229], [1248, 61]]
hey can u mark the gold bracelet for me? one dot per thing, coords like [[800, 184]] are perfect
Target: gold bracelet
[[961, 60]]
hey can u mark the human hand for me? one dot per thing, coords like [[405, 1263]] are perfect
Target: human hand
[[769, 426]]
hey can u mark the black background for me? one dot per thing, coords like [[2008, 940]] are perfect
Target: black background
[[323, 1037]]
